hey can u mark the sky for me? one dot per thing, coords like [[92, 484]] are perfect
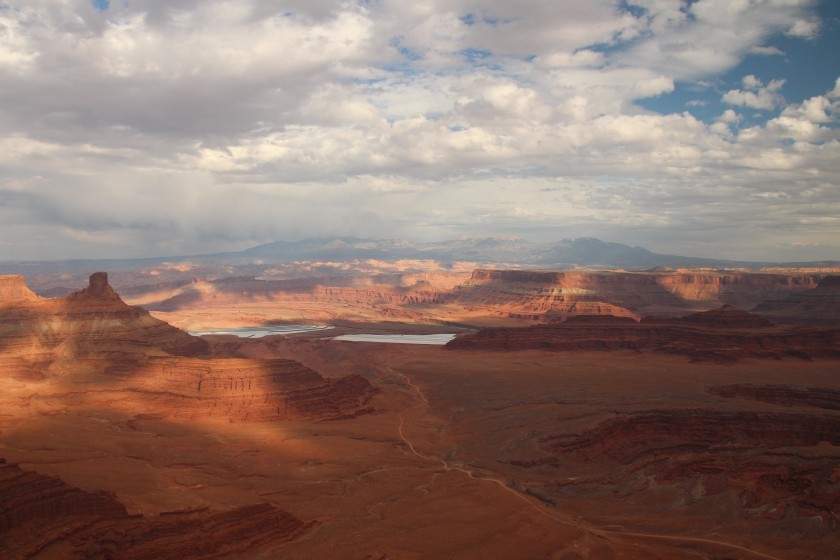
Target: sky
[[132, 128]]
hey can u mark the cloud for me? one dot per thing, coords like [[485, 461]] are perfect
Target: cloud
[[756, 95], [693, 40], [766, 51], [730, 116], [653, 86], [806, 29], [163, 128]]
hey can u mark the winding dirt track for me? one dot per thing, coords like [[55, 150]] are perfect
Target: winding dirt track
[[541, 509]]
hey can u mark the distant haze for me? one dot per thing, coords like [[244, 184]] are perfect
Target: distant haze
[[355, 252], [705, 128]]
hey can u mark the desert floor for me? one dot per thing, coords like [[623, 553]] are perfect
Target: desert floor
[[431, 473]]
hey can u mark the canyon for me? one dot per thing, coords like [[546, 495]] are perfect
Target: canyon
[[430, 294], [577, 415], [724, 334]]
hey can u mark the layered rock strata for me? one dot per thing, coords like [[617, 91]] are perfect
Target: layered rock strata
[[631, 438], [92, 321], [724, 334], [243, 390], [818, 306], [43, 517], [484, 297], [95, 344], [563, 294], [784, 395], [765, 465]]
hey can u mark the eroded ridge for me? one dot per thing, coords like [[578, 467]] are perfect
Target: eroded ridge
[[43, 517], [770, 465], [725, 334], [628, 438], [818, 306], [247, 390], [92, 321], [785, 395], [91, 347]]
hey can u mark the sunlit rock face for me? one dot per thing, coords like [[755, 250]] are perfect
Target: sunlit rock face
[[91, 358], [13, 290], [724, 334], [92, 321], [239, 390], [96, 340], [633, 294]]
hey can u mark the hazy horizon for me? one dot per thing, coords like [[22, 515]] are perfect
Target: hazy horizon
[[423, 246]]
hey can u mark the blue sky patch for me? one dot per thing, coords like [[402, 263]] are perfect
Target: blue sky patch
[[808, 67]]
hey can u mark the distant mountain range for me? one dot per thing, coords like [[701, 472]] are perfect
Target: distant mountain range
[[581, 252]]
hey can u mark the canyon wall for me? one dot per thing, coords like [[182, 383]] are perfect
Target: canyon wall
[[818, 306], [630, 294], [92, 342], [486, 296], [725, 334], [763, 465], [241, 390], [42, 517], [92, 321]]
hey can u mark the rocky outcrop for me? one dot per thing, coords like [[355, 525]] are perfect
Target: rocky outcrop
[[727, 317], [27, 497], [813, 307], [13, 290], [630, 438], [242, 390], [205, 535], [92, 321], [95, 340], [485, 297], [627, 293], [543, 295], [784, 395], [766, 465], [43, 517], [725, 334]]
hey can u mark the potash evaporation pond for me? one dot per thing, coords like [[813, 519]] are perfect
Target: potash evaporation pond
[[259, 332]]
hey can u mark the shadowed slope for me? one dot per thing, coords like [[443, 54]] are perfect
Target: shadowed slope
[[42, 517], [724, 334]]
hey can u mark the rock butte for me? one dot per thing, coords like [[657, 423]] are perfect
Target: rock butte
[[93, 337], [485, 297]]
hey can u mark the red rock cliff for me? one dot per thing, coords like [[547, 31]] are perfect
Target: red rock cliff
[[13, 290], [725, 334], [92, 321], [42, 517]]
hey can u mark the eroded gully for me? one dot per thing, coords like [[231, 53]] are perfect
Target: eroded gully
[[538, 506]]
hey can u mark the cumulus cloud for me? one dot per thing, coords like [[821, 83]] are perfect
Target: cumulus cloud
[[766, 51], [160, 128], [730, 116], [756, 95], [805, 28]]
